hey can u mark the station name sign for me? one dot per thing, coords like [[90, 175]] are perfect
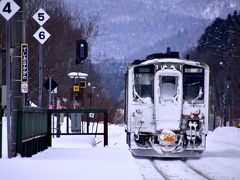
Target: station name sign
[[24, 68]]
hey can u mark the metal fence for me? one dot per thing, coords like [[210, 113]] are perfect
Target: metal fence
[[81, 115], [34, 128], [32, 131], [0, 137]]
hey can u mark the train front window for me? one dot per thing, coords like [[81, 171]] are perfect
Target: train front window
[[143, 82], [193, 84], [168, 87]]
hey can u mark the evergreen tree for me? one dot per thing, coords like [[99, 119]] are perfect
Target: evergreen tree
[[219, 47]]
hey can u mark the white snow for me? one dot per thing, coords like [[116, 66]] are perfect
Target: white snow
[[77, 157], [4, 140], [220, 161], [77, 75]]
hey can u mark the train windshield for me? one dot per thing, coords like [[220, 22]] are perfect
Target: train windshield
[[193, 84], [143, 82], [168, 87]]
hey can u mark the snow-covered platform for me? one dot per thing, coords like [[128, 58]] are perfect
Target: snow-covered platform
[[76, 157]]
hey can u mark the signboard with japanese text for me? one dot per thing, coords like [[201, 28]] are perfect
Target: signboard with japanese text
[[24, 68]]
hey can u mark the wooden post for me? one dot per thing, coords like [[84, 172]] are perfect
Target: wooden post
[[19, 133], [49, 128], [105, 141]]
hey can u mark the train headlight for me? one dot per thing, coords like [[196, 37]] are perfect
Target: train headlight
[[195, 112], [167, 137]]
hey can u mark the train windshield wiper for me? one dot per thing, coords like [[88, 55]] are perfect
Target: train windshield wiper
[[193, 84], [137, 96], [198, 96]]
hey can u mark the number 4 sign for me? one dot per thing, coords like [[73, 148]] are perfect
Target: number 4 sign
[[8, 8]]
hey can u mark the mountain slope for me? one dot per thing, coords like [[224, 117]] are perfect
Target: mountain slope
[[129, 25]]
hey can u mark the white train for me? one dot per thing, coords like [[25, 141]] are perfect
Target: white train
[[167, 104]]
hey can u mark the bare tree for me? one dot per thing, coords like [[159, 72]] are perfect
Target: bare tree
[[65, 28]]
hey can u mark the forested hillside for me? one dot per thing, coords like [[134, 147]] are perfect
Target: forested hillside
[[219, 47]]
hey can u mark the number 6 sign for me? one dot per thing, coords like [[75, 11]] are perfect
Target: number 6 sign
[[41, 17], [41, 35]]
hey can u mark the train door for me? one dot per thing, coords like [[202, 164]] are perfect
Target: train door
[[168, 99]]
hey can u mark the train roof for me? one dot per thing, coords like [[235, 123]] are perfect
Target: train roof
[[171, 60], [168, 57], [168, 60]]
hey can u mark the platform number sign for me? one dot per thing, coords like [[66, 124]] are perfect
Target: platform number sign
[[8, 8], [41, 35], [41, 17]]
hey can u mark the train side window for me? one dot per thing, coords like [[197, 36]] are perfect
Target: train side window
[[143, 82], [193, 82]]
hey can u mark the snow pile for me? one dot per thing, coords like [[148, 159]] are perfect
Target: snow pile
[[76, 157], [226, 135], [222, 156], [219, 162], [84, 157]]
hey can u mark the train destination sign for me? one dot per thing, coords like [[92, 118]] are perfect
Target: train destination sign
[[24, 68]]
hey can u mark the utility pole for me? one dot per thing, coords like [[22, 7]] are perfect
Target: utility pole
[[8, 83], [40, 79], [226, 101], [19, 37], [41, 35]]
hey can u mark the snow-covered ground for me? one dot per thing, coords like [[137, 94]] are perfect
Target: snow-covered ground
[[77, 157], [221, 160]]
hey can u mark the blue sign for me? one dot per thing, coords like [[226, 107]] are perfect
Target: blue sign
[[24, 68]]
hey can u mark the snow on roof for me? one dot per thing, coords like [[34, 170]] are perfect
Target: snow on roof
[[171, 60], [78, 75]]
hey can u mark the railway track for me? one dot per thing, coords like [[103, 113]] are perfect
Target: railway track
[[167, 169]]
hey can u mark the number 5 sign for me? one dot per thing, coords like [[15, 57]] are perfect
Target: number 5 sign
[[8, 8], [41, 17]]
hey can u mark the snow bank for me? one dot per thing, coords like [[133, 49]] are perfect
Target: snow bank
[[76, 157], [222, 156], [227, 135]]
